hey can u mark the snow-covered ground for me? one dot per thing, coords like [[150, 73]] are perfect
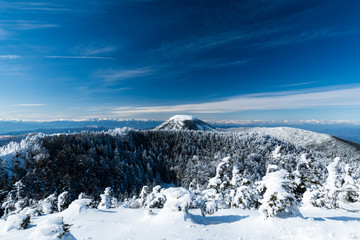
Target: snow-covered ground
[[124, 223]]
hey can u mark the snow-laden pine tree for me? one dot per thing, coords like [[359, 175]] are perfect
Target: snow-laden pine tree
[[221, 180], [333, 184], [178, 199], [16, 199], [349, 191], [143, 195], [218, 189], [49, 204], [278, 198], [63, 201], [155, 199], [107, 199], [242, 194]]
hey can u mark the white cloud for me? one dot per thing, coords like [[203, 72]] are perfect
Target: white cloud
[[30, 105], [9, 57], [312, 98]]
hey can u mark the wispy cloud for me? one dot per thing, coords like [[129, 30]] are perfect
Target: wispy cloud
[[86, 91], [25, 25], [298, 84], [266, 29], [311, 98], [9, 57], [34, 6], [121, 89], [80, 57], [230, 63], [30, 105], [111, 76], [90, 51]]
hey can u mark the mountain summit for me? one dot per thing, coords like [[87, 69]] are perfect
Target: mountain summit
[[184, 122]]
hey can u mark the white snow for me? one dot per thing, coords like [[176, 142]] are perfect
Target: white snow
[[122, 223], [181, 118]]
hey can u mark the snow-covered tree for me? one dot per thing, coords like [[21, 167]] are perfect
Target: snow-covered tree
[[276, 153], [221, 180], [17, 221], [314, 196], [177, 199], [333, 184], [242, 194], [349, 191], [278, 197], [16, 199], [49, 204], [143, 195], [155, 199], [52, 228], [245, 197], [107, 199], [63, 201]]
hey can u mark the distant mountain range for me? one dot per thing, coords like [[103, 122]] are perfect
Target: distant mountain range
[[349, 131]]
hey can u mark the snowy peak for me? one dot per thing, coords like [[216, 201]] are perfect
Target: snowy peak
[[185, 122], [183, 118]]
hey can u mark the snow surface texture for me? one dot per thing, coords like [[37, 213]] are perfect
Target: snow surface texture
[[123, 223], [185, 122]]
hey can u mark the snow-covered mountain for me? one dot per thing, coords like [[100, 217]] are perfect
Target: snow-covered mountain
[[184, 122]]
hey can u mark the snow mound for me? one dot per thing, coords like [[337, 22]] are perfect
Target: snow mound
[[50, 229], [16, 222], [75, 209]]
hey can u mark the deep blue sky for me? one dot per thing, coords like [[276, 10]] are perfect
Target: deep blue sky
[[256, 59]]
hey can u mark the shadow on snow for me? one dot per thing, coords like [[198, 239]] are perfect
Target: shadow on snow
[[214, 220], [340, 218], [344, 218]]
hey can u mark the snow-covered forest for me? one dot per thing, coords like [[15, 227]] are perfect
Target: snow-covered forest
[[176, 171]]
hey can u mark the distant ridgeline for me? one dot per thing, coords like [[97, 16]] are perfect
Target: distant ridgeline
[[127, 159]]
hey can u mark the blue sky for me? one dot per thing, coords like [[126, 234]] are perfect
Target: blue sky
[[267, 60]]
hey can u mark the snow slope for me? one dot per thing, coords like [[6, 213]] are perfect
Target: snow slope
[[123, 223]]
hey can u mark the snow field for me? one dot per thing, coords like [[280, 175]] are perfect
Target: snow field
[[124, 223]]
